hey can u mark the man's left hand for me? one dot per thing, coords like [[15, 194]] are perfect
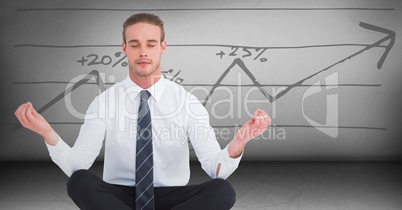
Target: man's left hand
[[253, 128]]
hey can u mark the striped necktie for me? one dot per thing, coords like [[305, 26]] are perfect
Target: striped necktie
[[144, 197]]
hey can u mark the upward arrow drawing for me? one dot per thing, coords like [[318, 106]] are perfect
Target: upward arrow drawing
[[93, 74], [390, 36]]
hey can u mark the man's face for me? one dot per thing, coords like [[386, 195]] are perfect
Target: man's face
[[143, 49]]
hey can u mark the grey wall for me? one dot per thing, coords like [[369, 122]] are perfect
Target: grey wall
[[328, 72]]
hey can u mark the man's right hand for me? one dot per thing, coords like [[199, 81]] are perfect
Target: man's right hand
[[32, 120]]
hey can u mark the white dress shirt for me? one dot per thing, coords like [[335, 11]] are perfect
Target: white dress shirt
[[177, 116]]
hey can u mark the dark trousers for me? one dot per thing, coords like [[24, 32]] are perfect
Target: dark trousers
[[88, 191]]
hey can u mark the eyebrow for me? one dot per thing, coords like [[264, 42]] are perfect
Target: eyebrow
[[149, 40]]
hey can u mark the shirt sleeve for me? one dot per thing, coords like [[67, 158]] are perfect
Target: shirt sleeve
[[206, 147], [86, 147]]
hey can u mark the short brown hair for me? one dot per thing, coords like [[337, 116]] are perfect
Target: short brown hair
[[144, 18]]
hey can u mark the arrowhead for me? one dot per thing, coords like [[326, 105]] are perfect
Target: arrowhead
[[391, 37]]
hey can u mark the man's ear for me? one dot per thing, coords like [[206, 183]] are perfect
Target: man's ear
[[163, 47], [124, 47]]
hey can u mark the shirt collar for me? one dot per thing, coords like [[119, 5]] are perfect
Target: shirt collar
[[156, 89]]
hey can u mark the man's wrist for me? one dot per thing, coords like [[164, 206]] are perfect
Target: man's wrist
[[235, 148], [51, 138]]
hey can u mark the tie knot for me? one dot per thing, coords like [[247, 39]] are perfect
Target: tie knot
[[145, 94]]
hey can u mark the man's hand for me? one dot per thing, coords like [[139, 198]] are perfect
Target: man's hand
[[253, 128], [32, 120]]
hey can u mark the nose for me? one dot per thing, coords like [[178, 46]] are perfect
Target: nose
[[143, 52]]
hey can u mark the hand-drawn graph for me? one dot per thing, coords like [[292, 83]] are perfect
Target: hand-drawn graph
[[236, 52], [118, 59]]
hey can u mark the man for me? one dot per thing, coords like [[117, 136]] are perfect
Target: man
[[143, 167]]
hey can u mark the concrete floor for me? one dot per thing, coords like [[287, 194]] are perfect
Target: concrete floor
[[259, 185]]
